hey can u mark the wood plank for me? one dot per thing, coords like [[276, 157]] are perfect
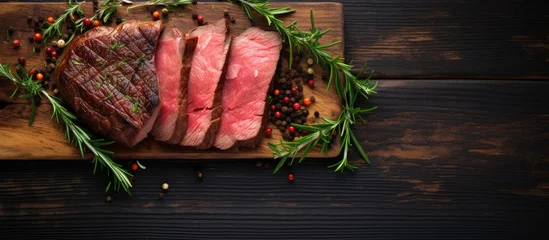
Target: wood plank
[[47, 137], [449, 39], [450, 160]]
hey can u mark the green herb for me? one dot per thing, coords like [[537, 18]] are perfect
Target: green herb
[[74, 133], [116, 45], [135, 106], [147, 15], [141, 60], [108, 96], [98, 84], [348, 90], [108, 7], [31, 88], [128, 97], [76, 62], [8, 35], [213, 7], [180, 14], [140, 165], [170, 4], [54, 29]]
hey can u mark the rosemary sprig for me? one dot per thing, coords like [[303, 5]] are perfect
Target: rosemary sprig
[[348, 90], [75, 134], [104, 13], [54, 29], [170, 4]]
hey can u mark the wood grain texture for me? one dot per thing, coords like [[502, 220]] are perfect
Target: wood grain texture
[[47, 137], [450, 160]]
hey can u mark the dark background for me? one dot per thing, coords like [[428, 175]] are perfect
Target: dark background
[[459, 148]]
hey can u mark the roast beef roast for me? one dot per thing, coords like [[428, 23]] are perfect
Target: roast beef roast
[[205, 84], [108, 76], [252, 63], [173, 64]]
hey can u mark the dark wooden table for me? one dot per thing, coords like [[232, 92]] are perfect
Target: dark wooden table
[[459, 148]]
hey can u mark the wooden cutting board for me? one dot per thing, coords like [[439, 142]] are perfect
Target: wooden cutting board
[[45, 138]]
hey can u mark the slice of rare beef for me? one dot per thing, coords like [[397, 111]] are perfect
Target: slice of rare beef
[[206, 82], [108, 76], [252, 63], [173, 64]]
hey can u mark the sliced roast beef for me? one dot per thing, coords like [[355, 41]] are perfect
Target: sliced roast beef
[[252, 63], [173, 64], [108, 76], [205, 84]]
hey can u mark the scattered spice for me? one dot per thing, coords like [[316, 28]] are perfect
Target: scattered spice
[[156, 15], [233, 19], [161, 196], [310, 71], [291, 177], [61, 43], [199, 175], [134, 166], [50, 20], [16, 43], [87, 22], [165, 11], [39, 76], [200, 19], [109, 198], [37, 37], [22, 61], [96, 23], [195, 15], [310, 62], [269, 132], [317, 114], [165, 186], [311, 83]]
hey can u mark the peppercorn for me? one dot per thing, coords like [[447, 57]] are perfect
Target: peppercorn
[[55, 91], [69, 31], [268, 132], [276, 92], [226, 13], [194, 2], [199, 175], [118, 21], [134, 167], [161, 196], [292, 100], [293, 90], [87, 22], [273, 107], [53, 54], [284, 109], [39, 76], [50, 20], [310, 61], [156, 15], [317, 114], [311, 83], [200, 19], [195, 15], [282, 129], [291, 129], [16, 43], [165, 186], [278, 122], [296, 106], [65, 37], [61, 43], [233, 19], [278, 114], [259, 163], [29, 18], [49, 50], [288, 119], [96, 23], [109, 198], [286, 99], [313, 99], [41, 19], [31, 39], [52, 66], [22, 61], [278, 106], [288, 92], [284, 123], [165, 11], [291, 177]]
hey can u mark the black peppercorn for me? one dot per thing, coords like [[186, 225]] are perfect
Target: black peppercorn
[[195, 15], [226, 13], [31, 39], [282, 129], [37, 47], [118, 21], [161, 196], [298, 121], [278, 106], [278, 122], [233, 19], [29, 18], [284, 109], [288, 119], [69, 31], [65, 37], [194, 2], [313, 99], [41, 19], [284, 123]]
